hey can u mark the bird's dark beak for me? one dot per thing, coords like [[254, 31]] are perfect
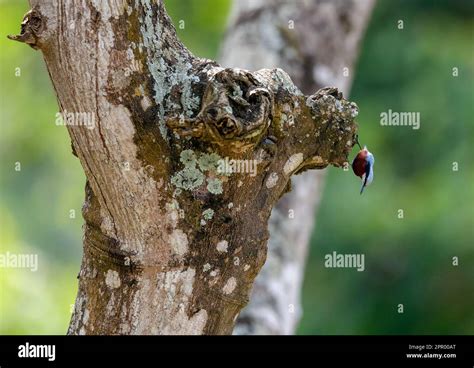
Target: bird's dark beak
[[357, 141]]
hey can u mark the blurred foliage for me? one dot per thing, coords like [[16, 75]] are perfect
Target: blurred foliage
[[408, 260]]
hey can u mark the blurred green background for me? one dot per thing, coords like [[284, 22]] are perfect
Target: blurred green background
[[408, 261]]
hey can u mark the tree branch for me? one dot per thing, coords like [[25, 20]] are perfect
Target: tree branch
[[316, 43]]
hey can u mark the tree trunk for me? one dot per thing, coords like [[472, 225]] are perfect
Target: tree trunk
[[172, 240], [313, 41]]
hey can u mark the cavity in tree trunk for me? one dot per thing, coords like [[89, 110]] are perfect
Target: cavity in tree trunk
[[173, 241]]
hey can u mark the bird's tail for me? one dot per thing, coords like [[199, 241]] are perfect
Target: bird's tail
[[362, 188]]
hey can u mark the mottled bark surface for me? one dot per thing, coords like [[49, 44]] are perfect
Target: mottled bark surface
[[316, 43], [172, 244]]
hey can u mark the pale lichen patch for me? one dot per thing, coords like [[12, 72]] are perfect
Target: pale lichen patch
[[292, 163], [172, 292], [229, 286], [222, 246], [167, 75], [208, 214], [179, 242], [198, 169], [188, 158], [214, 186], [272, 180], [188, 179], [209, 162], [145, 103], [85, 318], [112, 279], [172, 212], [318, 160]]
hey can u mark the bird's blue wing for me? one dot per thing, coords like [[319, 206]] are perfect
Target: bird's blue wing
[[367, 172]]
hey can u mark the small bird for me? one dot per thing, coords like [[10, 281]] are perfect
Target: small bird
[[363, 166]]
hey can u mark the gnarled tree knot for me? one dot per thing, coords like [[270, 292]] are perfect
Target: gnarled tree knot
[[32, 26], [236, 110]]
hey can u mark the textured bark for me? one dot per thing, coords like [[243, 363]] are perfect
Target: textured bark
[[172, 245], [313, 41]]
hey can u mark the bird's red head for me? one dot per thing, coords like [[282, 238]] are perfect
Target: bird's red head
[[359, 163]]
